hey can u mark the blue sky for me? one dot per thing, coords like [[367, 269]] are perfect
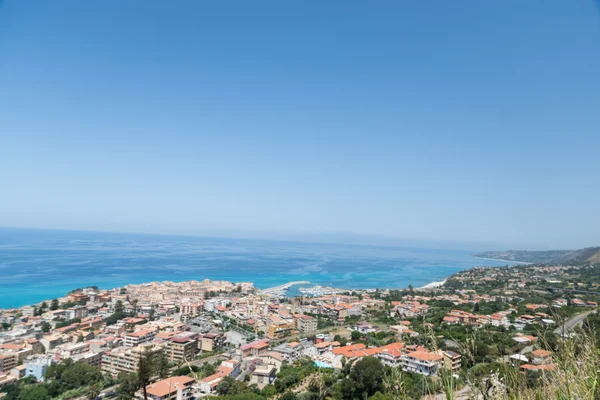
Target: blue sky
[[463, 120]]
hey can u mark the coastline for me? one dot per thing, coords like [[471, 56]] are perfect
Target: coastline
[[433, 285], [503, 260]]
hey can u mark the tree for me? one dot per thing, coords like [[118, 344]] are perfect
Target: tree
[[54, 305], [289, 396], [476, 308], [128, 385], [44, 305], [93, 392], [145, 371], [368, 375], [160, 365], [119, 306], [33, 392], [355, 336], [381, 396], [46, 327]]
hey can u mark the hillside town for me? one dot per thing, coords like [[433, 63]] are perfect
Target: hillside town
[[168, 340]]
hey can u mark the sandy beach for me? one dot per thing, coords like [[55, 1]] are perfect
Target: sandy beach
[[433, 285]]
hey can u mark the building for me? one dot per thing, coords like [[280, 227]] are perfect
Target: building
[[28, 311], [36, 366], [305, 323], [91, 358], [50, 341], [541, 357], [263, 375], [139, 337], [422, 362], [174, 388], [451, 360], [8, 361], [392, 354], [280, 329], [208, 384], [210, 342], [182, 348], [125, 359], [191, 309], [290, 351], [75, 312], [6, 379], [234, 366], [255, 348]]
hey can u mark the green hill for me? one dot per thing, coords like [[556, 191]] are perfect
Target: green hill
[[589, 255]]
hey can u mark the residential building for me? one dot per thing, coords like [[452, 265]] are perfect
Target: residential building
[[174, 388], [451, 360], [541, 357], [290, 351], [208, 384], [36, 366], [191, 309], [305, 323], [210, 342], [263, 375], [139, 337], [8, 361], [255, 348], [126, 359], [182, 348], [422, 362], [280, 329], [392, 354]]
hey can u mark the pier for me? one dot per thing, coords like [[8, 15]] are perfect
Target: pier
[[278, 290]]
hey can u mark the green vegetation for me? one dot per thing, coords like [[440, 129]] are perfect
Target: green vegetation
[[62, 381]]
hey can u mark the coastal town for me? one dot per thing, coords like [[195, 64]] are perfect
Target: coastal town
[[195, 339]]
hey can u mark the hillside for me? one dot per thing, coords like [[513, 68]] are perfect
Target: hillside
[[589, 255]]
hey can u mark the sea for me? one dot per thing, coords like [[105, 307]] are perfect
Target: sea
[[38, 265]]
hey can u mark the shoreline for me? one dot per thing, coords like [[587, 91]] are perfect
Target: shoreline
[[501, 259], [433, 285]]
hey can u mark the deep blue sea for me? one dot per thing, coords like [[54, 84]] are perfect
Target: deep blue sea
[[38, 265]]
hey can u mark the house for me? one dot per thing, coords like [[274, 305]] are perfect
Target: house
[[422, 362], [174, 388], [234, 365], [392, 354], [263, 375], [290, 351], [255, 348], [541, 367], [210, 342], [522, 339], [36, 366], [209, 384], [50, 341], [541, 357], [451, 360], [364, 327], [273, 358]]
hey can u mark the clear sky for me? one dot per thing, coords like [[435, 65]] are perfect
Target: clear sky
[[448, 120]]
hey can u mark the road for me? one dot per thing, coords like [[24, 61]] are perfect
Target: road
[[570, 324], [211, 359]]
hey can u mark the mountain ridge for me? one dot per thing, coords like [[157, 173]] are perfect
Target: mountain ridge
[[588, 255]]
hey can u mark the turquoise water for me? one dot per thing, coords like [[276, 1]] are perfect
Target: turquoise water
[[321, 364], [36, 264]]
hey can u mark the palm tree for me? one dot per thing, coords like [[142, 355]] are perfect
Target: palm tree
[[93, 392]]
